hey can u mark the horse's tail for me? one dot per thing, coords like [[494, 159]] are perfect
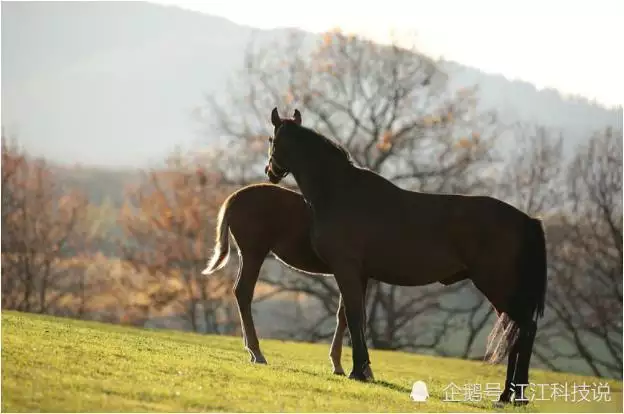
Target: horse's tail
[[537, 269], [528, 301], [222, 241]]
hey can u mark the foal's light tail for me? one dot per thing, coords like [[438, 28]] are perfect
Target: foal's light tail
[[222, 242], [529, 300]]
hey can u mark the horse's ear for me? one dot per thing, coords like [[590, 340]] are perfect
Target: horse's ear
[[275, 118], [297, 117]]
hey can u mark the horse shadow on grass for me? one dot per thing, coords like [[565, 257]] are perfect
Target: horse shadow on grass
[[339, 378], [391, 386]]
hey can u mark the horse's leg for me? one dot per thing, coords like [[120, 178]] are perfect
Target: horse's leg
[[512, 360], [352, 289], [243, 290], [368, 371], [525, 350], [335, 351]]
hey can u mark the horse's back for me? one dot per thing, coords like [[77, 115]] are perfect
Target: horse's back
[[267, 217], [262, 213], [484, 220]]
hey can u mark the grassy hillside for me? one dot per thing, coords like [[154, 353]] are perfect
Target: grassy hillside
[[52, 364]]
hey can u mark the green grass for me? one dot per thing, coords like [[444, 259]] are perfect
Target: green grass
[[54, 364]]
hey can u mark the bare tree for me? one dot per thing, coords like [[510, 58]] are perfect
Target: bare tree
[[390, 106], [531, 179], [585, 249]]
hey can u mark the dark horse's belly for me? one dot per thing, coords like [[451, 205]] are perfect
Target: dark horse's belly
[[410, 250], [415, 268]]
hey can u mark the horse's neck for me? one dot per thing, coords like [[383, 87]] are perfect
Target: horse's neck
[[320, 185], [314, 189]]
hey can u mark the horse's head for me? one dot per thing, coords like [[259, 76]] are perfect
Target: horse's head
[[278, 167]]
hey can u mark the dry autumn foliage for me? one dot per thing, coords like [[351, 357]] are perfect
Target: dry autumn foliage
[[42, 223], [168, 225]]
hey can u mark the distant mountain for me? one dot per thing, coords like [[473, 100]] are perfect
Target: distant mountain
[[115, 83], [575, 116]]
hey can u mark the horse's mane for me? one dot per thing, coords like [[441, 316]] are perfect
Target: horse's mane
[[312, 140]]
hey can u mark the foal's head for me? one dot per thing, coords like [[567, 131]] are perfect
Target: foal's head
[[277, 167]]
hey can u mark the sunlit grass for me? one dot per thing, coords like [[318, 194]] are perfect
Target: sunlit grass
[[54, 364]]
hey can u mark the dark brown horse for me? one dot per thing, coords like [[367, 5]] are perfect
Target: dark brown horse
[[362, 224], [263, 219]]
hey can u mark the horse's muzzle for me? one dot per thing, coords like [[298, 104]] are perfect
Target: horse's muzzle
[[275, 174]]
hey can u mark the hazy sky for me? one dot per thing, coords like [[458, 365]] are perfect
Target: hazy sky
[[568, 45]]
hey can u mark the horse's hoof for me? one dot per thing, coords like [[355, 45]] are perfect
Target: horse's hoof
[[358, 376], [258, 360], [505, 398], [500, 404], [520, 403], [339, 371], [364, 375]]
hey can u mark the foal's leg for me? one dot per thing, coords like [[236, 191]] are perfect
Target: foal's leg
[[352, 290], [335, 351], [249, 270]]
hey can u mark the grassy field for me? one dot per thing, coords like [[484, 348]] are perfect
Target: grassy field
[[53, 364]]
